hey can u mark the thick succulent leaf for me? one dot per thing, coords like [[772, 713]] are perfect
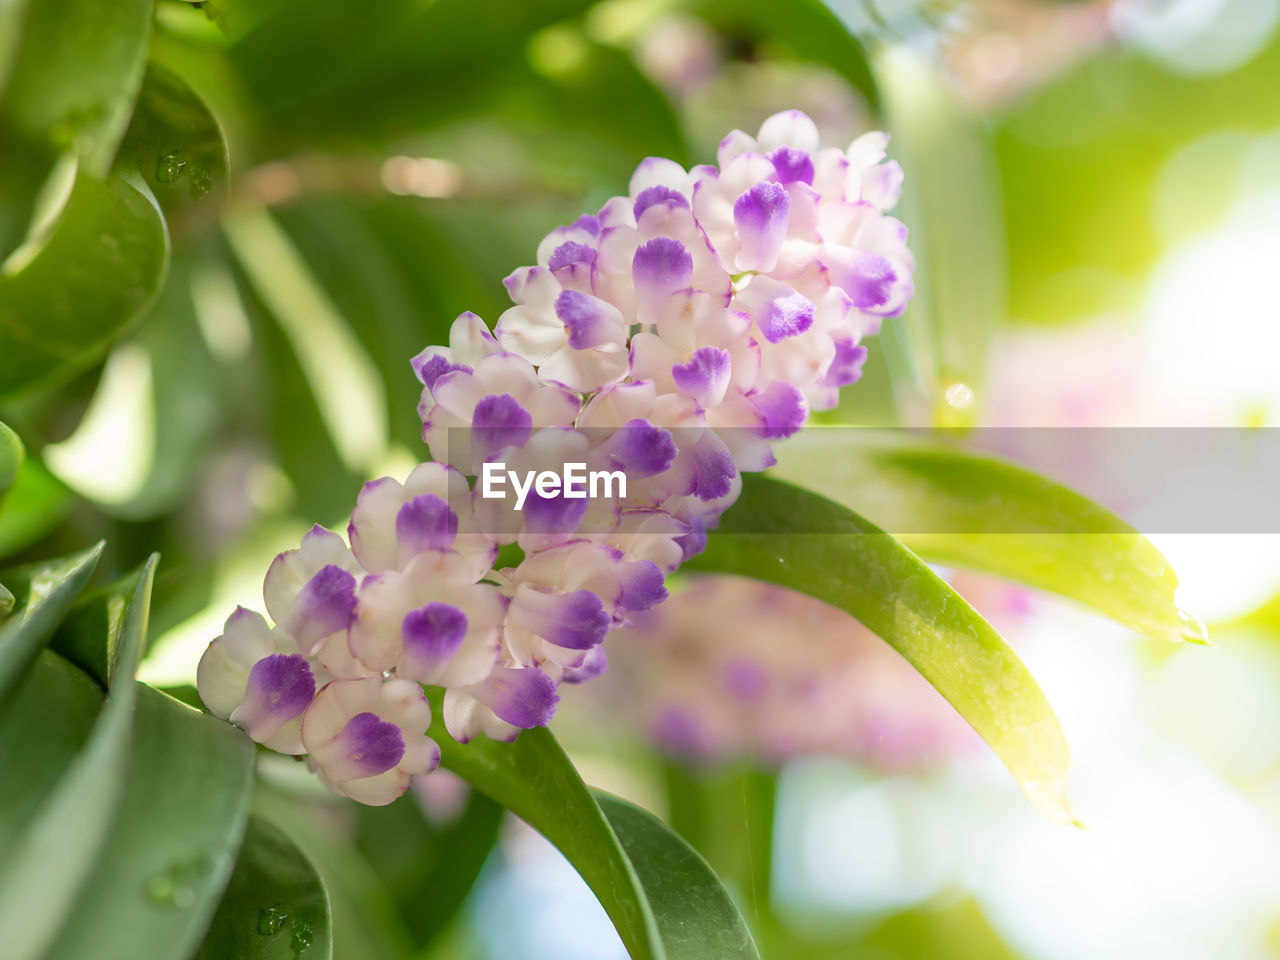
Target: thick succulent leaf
[[42, 729], [853, 565], [44, 593], [44, 502], [77, 69], [57, 852], [172, 847], [366, 925], [275, 905], [696, 917], [100, 265], [534, 779], [971, 511], [174, 140]]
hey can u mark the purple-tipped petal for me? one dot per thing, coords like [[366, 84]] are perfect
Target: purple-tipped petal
[[280, 687], [497, 423], [431, 368], [846, 368], [761, 214], [713, 469], [372, 745], [557, 514], [324, 606], [643, 585], [523, 697], [693, 542], [787, 316], [593, 665], [433, 634], [783, 409], [425, 523], [587, 319], [575, 620], [660, 267], [652, 196], [641, 449], [705, 377], [568, 254], [793, 166], [868, 278]]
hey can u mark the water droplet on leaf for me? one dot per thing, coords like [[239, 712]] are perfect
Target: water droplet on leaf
[[169, 167], [271, 920]]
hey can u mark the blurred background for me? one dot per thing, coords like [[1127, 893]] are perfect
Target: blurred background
[[1093, 192]]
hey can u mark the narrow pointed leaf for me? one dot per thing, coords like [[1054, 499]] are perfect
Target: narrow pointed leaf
[[696, 917], [971, 511], [275, 905], [855, 566], [40, 880], [44, 593]]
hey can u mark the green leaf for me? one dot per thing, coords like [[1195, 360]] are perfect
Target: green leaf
[[966, 510], [855, 566], [175, 141], [274, 906], [44, 501], [11, 457], [366, 925], [696, 917], [41, 731], [57, 852], [99, 267], [534, 779], [11, 14], [44, 593], [171, 850], [79, 64]]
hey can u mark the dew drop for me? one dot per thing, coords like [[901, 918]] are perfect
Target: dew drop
[[1193, 631], [166, 890], [170, 166], [271, 920]]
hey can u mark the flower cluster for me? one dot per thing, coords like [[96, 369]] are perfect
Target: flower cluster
[[731, 667], [672, 337]]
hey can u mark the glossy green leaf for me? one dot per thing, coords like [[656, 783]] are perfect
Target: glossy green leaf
[[966, 510], [536, 781], [366, 924], [174, 140], [172, 847], [57, 852], [42, 729], [78, 67], [11, 457], [696, 917], [44, 593], [855, 566], [274, 906], [63, 302], [44, 502]]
